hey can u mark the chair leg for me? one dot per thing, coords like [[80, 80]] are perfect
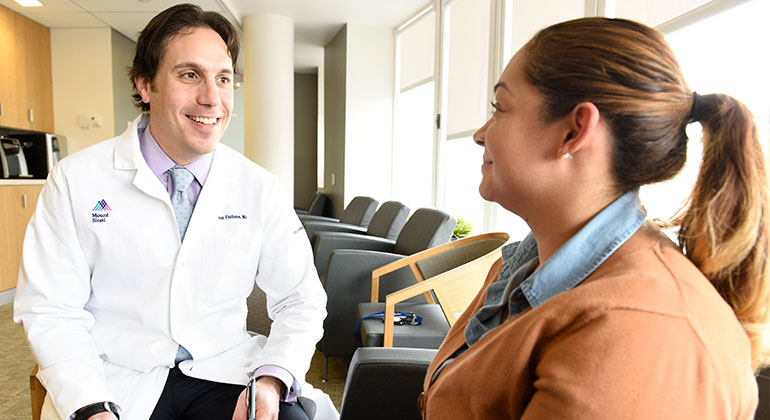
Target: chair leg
[[326, 369]]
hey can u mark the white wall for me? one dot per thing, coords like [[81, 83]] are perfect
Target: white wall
[[122, 58], [81, 63], [369, 111]]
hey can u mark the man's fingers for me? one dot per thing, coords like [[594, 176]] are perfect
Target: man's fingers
[[241, 411]]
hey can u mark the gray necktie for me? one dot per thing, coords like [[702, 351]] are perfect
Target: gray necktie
[[183, 207]]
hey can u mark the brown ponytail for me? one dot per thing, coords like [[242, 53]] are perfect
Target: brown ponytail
[[628, 71], [724, 229]]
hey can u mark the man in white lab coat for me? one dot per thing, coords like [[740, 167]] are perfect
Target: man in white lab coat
[[135, 308]]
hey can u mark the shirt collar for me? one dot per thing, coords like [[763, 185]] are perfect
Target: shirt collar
[[159, 162], [580, 255]]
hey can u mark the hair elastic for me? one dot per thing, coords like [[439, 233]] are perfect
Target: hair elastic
[[695, 106]]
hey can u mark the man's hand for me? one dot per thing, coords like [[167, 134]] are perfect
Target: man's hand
[[268, 393]]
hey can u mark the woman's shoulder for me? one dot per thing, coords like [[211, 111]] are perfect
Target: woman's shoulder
[[649, 283]]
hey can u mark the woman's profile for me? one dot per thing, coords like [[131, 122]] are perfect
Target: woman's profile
[[596, 314]]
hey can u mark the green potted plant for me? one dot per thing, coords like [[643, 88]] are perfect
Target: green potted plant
[[462, 229]]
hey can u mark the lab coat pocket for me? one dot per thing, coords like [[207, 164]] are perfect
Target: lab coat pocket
[[229, 269]]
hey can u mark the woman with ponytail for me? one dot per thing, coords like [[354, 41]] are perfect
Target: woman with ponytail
[[596, 314]]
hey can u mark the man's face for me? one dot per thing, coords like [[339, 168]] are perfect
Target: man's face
[[191, 96]]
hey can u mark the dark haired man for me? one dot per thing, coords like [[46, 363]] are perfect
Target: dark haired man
[[133, 303]]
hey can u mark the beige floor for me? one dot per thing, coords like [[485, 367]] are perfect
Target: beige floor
[[16, 362]]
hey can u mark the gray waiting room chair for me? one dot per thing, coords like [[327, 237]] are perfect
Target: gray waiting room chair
[[385, 383], [318, 205], [386, 223], [358, 213], [352, 258]]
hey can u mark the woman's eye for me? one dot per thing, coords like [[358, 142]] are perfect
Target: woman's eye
[[495, 107]]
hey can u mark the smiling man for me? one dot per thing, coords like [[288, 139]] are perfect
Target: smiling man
[[141, 312]]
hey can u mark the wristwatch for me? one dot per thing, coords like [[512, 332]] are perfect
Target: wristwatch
[[86, 412]]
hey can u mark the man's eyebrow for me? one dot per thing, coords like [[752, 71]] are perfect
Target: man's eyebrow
[[199, 68]]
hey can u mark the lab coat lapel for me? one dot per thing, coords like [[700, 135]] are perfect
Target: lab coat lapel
[[128, 156], [213, 198]]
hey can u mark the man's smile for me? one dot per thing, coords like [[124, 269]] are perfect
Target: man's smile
[[204, 120]]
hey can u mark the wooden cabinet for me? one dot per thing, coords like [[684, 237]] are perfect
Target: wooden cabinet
[[17, 203], [26, 90]]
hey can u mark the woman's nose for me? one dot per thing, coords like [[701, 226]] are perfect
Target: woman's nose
[[479, 135]]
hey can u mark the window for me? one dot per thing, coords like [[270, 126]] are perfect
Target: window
[[465, 73], [729, 61], [413, 136]]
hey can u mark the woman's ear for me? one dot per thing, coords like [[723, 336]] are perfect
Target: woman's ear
[[582, 128]]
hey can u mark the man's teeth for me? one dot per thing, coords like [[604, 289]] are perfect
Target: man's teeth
[[203, 120]]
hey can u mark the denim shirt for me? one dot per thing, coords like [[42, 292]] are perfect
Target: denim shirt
[[520, 286]]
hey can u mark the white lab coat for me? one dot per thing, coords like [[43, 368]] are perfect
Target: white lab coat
[[107, 292]]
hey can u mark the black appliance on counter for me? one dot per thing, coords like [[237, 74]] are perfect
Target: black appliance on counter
[[12, 159], [43, 151]]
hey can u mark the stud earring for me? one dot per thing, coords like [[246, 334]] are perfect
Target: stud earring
[[566, 156]]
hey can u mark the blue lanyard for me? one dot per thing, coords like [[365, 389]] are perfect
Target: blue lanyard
[[399, 318]]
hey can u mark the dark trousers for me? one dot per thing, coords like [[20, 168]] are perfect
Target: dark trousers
[[186, 398]]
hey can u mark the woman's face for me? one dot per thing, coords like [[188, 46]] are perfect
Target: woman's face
[[519, 147]]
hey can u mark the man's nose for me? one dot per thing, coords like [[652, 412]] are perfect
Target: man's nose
[[208, 93]]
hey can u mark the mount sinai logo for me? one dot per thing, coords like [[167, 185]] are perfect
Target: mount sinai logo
[[102, 205], [99, 213]]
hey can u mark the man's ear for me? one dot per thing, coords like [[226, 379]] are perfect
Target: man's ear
[[582, 125], [143, 87]]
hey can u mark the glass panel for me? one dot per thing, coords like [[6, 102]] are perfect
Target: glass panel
[[654, 12], [532, 16], [505, 221], [707, 56], [468, 47], [413, 147], [418, 46], [463, 176]]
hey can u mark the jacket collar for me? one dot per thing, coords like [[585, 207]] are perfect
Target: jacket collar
[[587, 250], [128, 156]]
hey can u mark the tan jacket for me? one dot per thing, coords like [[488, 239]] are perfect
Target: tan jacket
[[645, 336]]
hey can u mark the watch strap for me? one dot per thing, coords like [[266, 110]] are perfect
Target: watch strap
[[103, 407]]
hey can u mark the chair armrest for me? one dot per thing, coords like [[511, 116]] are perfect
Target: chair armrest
[[313, 227], [384, 383], [36, 394], [326, 242], [307, 217]]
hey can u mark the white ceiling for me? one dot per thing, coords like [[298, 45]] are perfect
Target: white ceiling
[[315, 21]]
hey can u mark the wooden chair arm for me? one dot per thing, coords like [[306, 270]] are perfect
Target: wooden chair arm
[[36, 394], [389, 268], [409, 292], [477, 269], [411, 261]]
